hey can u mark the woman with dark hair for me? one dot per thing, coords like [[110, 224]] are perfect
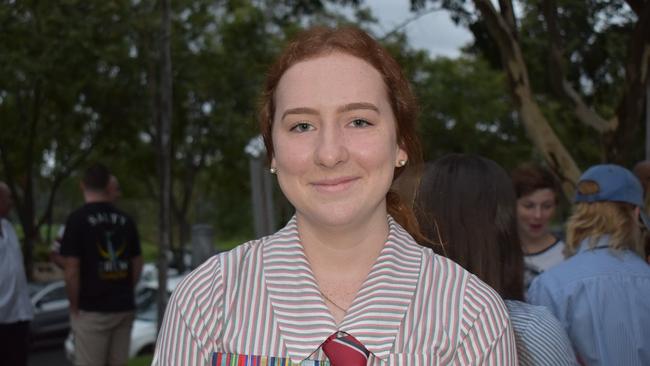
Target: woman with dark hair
[[344, 280], [537, 198], [467, 203]]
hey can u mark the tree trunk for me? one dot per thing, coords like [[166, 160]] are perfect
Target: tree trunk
[[164, 156], [537, 126], [637, 76]]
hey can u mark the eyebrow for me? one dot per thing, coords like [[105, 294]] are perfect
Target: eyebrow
[[356, 106], [345, 108]]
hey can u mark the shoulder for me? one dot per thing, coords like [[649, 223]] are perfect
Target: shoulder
[[476, 304], [208, 280], [78, 214], [467, 284], [7, 225], [9, 229], [540, 337], [534, 320]]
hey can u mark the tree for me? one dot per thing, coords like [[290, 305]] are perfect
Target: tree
[[570, 67], [61, 90]]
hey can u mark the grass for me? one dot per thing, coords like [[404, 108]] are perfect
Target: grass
[[141, 360]]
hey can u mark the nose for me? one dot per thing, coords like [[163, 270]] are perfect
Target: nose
[[537, 212], [331, 149]]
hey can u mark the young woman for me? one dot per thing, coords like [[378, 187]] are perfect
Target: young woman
[[468, 203], [601, 293], [338, 119], [537, 196]]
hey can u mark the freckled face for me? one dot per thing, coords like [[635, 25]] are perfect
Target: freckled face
[[534, 213], [334, 139]]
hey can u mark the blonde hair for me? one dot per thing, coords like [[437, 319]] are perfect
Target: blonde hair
[[592, 220]]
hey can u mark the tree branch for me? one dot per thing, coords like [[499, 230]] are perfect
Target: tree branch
[[508, 15], [561, 85], [537, 126]]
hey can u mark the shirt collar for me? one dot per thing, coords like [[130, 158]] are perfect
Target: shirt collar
[[602, 242], [397, 269]]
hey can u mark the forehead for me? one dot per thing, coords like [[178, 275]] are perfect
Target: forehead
[[331, 79], [540, 195]]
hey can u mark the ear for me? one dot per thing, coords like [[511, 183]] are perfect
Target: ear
[[402, 155]]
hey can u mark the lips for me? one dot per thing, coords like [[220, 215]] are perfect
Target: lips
[[334, 185]]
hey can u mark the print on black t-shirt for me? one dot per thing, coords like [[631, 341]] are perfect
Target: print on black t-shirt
[[111, 246]]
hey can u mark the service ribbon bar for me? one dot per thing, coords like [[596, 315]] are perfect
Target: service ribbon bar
[[229, 359]]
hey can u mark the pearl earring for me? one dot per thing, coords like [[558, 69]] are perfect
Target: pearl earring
[[401, 163], [273, 170]]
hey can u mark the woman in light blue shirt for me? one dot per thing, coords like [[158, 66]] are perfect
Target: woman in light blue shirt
[[601, 294], [467, 203]]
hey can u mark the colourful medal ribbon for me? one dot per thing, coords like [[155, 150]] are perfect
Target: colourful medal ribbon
[[229, 359]]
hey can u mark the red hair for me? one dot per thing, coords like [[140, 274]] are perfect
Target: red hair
[[320, 41]]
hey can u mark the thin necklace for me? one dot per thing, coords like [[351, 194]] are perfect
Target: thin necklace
[[332, 302]]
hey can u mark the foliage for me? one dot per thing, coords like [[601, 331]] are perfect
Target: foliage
[[78, 82], [63, 86], [581, 57]]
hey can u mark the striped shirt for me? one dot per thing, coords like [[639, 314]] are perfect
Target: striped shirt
[[541, 339], [262, 298]]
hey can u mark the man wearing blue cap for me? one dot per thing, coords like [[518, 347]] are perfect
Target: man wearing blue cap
[[601, 293]]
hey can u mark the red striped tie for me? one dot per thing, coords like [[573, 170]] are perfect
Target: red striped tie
[[343, 349]]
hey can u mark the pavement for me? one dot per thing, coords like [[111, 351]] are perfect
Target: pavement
[[52, 355]]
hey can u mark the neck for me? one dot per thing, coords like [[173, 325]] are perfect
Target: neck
[[341, 258], [343, 249], [534, 245], [93, 197]]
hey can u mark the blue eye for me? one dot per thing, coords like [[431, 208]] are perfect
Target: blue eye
[[360, 123], [301, 127]]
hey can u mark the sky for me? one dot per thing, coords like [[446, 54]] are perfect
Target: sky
[[434, 32]]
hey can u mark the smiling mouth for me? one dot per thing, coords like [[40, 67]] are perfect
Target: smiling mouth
[[334, 185]]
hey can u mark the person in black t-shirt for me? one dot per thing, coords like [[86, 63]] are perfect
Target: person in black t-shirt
[[102, 264], [114, 193]]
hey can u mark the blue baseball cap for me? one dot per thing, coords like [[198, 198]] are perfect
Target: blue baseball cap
[[615, 183]]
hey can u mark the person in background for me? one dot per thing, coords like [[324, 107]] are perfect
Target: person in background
[[537, 198], [344, 280], [477, 226], [601, 293], [16, 310], [102, 264], [642, 171], [114, 193]]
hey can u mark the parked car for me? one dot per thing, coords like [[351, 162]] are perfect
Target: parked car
[[51, 322], [143, 334]]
